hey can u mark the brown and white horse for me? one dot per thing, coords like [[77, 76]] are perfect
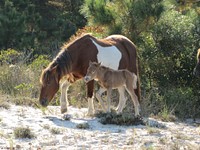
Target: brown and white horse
[[115, 51], [197, 67]]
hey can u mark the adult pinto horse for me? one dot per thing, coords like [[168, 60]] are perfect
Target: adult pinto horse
[[197, 67], [115, 51]]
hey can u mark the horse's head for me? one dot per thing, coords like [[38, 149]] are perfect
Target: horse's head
[[50, 85], [197, 68], [92, 71]]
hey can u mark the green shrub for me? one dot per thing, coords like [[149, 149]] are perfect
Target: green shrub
[[119, 119], [10, 56], [40, 62], [23, 132]]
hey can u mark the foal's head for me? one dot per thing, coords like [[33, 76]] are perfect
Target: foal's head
[[197, 68], [92, 71], [50, 85]]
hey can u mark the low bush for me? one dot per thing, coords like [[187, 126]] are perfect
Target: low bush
[[119, 119], [23, 132]]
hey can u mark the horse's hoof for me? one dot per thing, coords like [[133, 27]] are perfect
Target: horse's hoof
[[90, 113], [66, 117], [139, 117], [63, 110]]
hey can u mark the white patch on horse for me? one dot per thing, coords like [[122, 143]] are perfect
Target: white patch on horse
[[108, 56]]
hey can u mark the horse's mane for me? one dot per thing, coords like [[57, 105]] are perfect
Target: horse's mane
[[63, 62], [75, 38], [63, 59]]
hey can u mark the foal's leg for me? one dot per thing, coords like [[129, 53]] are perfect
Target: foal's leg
[[122, 99], [63, 98], [109, 92], [98, 96], [130, 89]]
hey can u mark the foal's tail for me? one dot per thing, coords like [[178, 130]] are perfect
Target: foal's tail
[[134, 81]]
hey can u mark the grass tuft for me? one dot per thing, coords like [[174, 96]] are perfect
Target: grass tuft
[[23, 132], [55, 130], [119, 119], [83, 126]]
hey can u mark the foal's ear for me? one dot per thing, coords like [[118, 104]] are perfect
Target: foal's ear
[[90, 62], [99, 64]]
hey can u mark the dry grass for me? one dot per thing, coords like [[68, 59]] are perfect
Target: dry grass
[[55, 130], [83, 126], [23, 132]]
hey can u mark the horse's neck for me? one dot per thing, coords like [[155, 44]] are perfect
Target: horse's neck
[[101, 72], [64, 62]]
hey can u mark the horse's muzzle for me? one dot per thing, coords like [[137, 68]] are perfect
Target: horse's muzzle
[[44, 102], [87, 79]]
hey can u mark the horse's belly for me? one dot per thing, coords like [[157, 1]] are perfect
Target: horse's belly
[[108, 56]]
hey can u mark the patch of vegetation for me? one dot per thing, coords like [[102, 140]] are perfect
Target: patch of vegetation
[[8, 138], [83, 126], [4, 104], [46, 126], [119, 119], [153, 130], [23, 132], [55, 130], [27, 101]]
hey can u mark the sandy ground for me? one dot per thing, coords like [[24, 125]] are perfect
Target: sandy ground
[[156, 135]]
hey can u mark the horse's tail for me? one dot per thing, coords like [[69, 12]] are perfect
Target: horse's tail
[[132, 51]]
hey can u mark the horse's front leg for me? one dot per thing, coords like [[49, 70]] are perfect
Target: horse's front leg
[[90, 88], [98, 96], [109, 92], [63, 98]]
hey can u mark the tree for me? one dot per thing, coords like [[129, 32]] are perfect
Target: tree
[[41, 25]]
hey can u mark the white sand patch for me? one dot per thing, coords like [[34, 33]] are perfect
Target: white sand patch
[[176, 135]]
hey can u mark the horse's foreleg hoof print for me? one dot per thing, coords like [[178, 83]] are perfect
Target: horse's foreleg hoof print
[[63, 110]]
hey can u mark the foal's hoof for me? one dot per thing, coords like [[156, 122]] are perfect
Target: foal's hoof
[[63, 110]]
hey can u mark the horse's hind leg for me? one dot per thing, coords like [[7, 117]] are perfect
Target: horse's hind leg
[[122, 99], [63, 98], [130, 89], [98, 96]]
